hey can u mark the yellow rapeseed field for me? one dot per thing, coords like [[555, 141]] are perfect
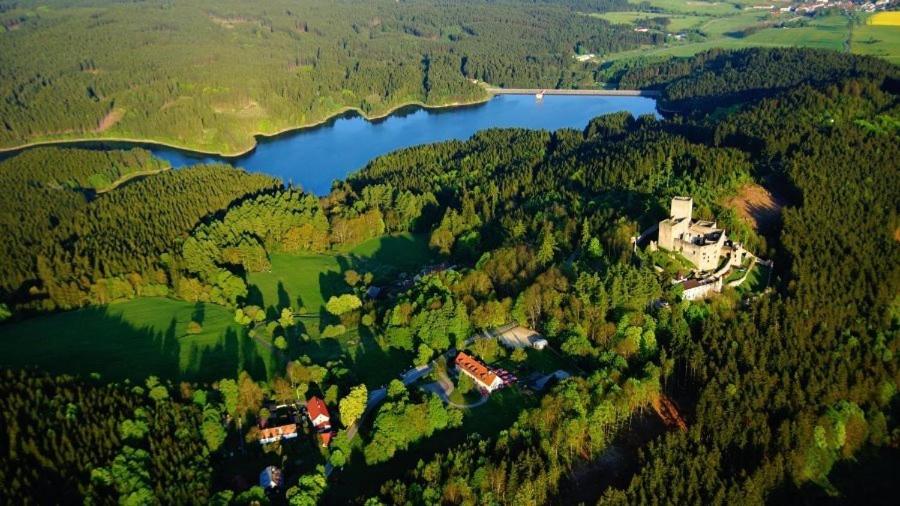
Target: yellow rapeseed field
[[891, 18]]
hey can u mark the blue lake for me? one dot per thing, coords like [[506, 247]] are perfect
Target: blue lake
[[313, 158]]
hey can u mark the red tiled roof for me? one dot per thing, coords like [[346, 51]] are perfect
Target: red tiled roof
[[475, 368], [316, 407], [325, 437], [280, 431]]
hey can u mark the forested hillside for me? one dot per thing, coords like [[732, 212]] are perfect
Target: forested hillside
[[777, 387], [67, 246], [65, 438], [209, 75], [721, 78]]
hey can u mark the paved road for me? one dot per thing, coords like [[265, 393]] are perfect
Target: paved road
[[443, 387], [593, 92]]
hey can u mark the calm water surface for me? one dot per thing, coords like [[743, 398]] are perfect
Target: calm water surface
[[313, 158]]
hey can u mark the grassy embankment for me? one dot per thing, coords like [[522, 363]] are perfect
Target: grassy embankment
[[144, 336]]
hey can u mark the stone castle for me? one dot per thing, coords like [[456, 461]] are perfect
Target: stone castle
[[701, 242]]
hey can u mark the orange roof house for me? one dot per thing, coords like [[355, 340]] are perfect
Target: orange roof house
[[482, 376], [318, 413], [272, 434]]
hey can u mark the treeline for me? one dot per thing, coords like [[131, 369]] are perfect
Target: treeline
[[65, 438], [718, 77], [67, 246], [232, 69]]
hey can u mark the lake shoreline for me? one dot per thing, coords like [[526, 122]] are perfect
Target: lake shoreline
[[257, 137]]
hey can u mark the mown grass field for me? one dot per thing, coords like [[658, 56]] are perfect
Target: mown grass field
[[878, 36], [827, 32], [307, 281], [694, 6], [148, 336], [678, 22], [756, 281], [135, 339]]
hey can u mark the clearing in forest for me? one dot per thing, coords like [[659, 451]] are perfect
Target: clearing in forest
[[758, 206]]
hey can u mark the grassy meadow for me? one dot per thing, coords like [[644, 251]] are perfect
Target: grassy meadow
[[148, 336], [307, 281], [134, 339], [731, 25], [878, 36]]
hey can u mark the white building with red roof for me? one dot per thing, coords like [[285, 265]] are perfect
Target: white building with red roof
[[473, 368], [318, 413]]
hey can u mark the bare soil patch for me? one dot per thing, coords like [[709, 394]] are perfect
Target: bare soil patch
[[758, 206], [111, 118]]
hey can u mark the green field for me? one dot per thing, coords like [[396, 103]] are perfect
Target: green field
[[307, 281], [678, 22], [877, 40], [828, 32], [756, 281], [133, 340], [694, 6], [137, 338]]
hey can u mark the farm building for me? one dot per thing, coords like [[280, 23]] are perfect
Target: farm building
[[482, 376]]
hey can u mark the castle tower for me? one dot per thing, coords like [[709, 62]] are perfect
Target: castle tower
[[682, 207]]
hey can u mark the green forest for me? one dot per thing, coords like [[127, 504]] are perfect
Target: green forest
[[209, 75], [785, 394]]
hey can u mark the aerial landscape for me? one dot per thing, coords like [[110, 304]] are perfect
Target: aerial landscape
[[403, 252]]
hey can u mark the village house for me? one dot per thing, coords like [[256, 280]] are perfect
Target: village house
[[483, 377], [272, 434], [318, 413], [271, 478], [320, 418]]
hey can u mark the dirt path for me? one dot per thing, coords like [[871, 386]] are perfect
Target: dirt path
[[111, 118], [128, 177]]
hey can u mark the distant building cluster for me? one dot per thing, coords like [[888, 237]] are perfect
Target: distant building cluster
[[812, 7]]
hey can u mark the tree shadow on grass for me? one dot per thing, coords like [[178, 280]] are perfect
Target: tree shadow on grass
[[97, 340], [374, 364], [394, 254]]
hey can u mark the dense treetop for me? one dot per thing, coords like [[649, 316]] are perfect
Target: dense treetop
[[719, 77]]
